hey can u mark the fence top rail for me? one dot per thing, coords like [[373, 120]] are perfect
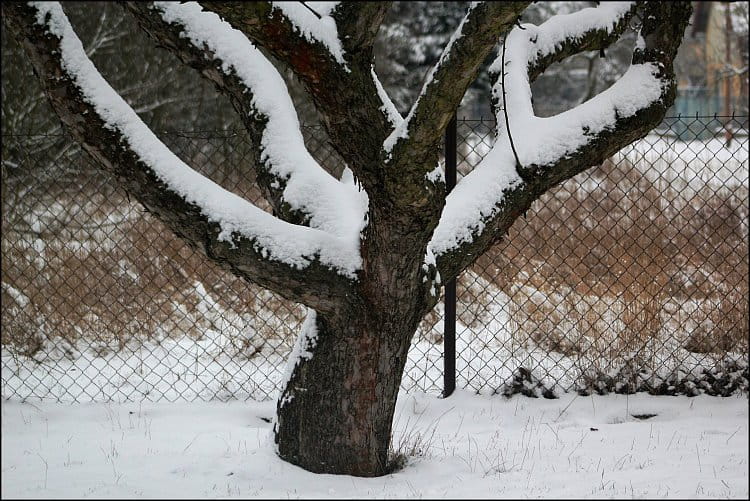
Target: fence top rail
[[679, 116], [232, 132]]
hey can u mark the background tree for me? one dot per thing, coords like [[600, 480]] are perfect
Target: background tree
[[368, 252]]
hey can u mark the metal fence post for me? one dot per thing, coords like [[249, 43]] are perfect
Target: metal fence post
[[449, 329]]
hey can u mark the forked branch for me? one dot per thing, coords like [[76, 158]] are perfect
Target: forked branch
[[485, 203], [458, 66], [287, 173], [291, 260]]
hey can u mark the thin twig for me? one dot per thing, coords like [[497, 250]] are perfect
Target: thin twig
[[311, 10], [505, 107], [566, 408]]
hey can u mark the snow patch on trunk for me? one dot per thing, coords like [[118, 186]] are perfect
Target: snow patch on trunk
[[303, 350], [394, 117]]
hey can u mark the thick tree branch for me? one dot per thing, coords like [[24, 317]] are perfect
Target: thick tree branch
[[339, 81], [270, 26], [243, 239], [192, 35], [358, 23], [592, 31], [557, 152]]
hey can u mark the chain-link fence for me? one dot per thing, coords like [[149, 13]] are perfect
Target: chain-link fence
[[633, 275]]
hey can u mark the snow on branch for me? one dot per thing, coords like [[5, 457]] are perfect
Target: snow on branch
[[552, 149], [402, 131], [320, 28], [308, 41], [388, 108], [543, 141], [592, 28], [330, 205], [345, 96], [475, 200], [295, 246]]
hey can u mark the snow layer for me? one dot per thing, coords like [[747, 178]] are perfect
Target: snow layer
[[322, 30], [333, 207], [20, 298], [539, 141], [466, 446], [291, 244]]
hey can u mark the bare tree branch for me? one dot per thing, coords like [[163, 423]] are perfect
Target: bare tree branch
[[358, 23]]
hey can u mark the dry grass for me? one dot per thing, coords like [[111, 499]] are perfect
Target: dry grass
[[725, 327], [615, 257], [626, 230]]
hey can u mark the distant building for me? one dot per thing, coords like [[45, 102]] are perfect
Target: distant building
[[712, 64]]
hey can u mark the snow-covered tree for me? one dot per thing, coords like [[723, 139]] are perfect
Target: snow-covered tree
[[366, 253]]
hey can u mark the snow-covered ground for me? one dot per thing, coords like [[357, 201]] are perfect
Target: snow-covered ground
[[467, 446]]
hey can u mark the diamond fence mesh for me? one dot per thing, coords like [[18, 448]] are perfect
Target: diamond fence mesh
[[631, 276]]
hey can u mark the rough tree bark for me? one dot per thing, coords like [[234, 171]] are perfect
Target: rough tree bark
[[335, 413]]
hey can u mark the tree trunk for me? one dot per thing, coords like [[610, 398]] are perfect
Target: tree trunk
[[336, 411]]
